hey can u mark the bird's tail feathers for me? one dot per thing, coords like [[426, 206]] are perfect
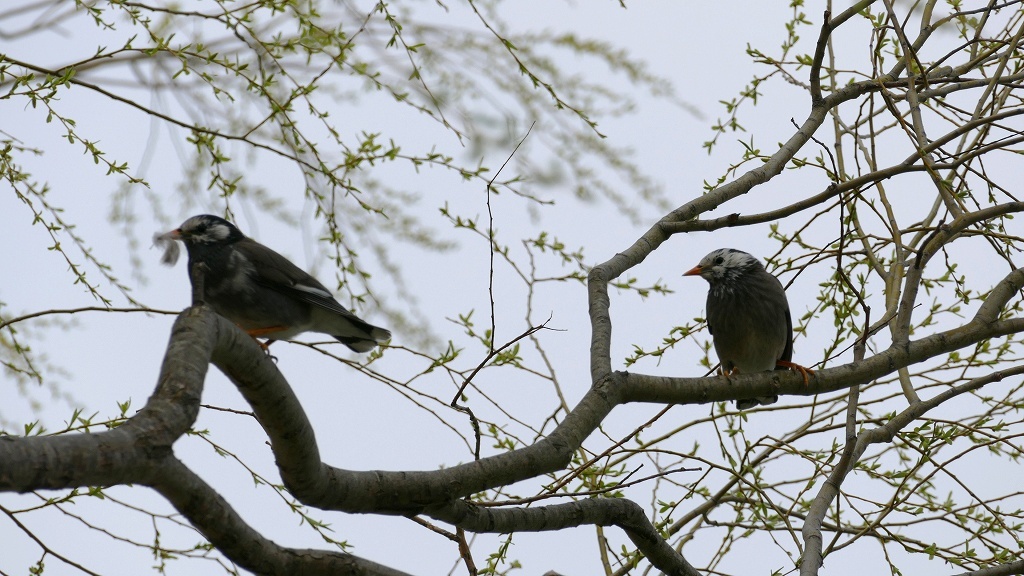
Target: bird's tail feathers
[[748, 403], [374, 336]]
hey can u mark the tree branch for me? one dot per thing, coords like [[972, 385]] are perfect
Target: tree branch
[[620, 512], [214, 517]]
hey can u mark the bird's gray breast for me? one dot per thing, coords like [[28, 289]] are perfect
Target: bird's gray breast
[[747, 317], [229, 276]]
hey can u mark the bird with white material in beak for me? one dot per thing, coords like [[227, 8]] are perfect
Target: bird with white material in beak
[[260, 290]]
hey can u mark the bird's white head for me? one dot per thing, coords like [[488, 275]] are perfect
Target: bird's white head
[[724, 265], [207, 229], [202, 230]]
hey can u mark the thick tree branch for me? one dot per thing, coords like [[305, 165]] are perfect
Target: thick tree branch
[[1008, 569], [139, 452], [114, 456], [666, 389], [317, 484], [819, 56], [212, 515], [620, 512]]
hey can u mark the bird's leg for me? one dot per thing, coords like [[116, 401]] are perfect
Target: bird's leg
[[257, 332], [796, 368], [266, 348]]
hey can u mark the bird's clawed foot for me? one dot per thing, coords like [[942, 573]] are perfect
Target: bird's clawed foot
[[748, 403], [257, 332], [805, 372], [266, 348]]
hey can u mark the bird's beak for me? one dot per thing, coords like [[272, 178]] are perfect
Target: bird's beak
[[161, 239], [695, 271]]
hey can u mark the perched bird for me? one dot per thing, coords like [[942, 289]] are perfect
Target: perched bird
[[748, 317], [260, 290]]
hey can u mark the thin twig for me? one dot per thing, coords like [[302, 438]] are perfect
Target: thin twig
[[492, 354], [618, 486], [69, 311]]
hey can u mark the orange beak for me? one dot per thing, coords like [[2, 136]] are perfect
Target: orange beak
[[695, 271]]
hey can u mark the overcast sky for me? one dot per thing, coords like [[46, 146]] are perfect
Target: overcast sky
[[699, 46]]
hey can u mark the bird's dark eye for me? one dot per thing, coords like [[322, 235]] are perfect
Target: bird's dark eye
[[719, 260]]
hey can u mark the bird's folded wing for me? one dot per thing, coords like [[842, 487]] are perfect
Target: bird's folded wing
[[787, 353], [276, 272]]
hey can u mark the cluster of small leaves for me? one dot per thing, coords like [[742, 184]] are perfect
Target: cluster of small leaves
[[748, 96], [676, 335], [498, 563], [33, 195], [17, 358]]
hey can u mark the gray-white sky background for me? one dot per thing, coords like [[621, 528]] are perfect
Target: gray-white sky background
[[363, 424]]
